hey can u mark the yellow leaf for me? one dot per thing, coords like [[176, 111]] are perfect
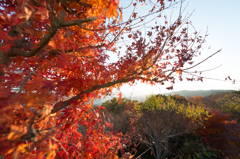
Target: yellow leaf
[[22, 148], [14, 135], [53, 114], [179, 72], [10, 135]]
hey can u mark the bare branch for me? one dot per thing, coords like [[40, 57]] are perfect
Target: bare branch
[[203, 60]]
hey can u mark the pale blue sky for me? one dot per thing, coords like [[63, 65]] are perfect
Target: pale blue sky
[[223, 21]]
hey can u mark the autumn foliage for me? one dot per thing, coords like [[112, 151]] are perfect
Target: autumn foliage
[[221, 133], [54, 61], [172, 126]]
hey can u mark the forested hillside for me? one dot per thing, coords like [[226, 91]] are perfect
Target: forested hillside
[[177, 127], [185, 93]]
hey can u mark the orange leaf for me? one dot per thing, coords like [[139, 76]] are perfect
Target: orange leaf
[[134, 15]]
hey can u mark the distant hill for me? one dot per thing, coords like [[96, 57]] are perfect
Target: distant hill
[[99, 101], [198, 92], [181, 93]]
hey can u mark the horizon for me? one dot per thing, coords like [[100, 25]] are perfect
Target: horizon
[[142, 98]]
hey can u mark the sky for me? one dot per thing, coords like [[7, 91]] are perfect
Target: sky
[[222, 20]]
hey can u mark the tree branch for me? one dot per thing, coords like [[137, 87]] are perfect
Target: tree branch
[[14, 51], [76, 22], [202, 61], [67, 9], [60, 105]]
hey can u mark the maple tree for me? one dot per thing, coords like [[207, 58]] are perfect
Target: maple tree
[[54, 63], [221, 133]]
